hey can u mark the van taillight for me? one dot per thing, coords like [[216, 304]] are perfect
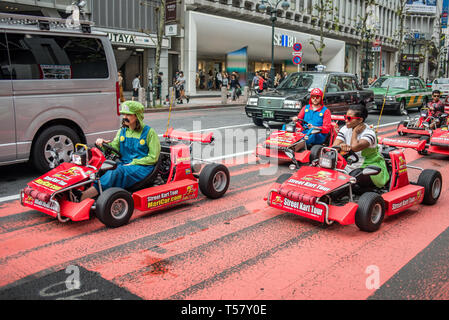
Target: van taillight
[[117, 91]]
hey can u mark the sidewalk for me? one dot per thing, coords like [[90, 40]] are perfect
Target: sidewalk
[[201, 100]]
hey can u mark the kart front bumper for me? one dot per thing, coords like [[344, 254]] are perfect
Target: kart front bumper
[[62, 209]]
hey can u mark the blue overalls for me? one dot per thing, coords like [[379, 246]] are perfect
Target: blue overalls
[[126, 176], [315, 118]]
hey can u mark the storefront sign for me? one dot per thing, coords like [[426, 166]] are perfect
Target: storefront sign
[[170, 11], [171, 30], [136, 40]]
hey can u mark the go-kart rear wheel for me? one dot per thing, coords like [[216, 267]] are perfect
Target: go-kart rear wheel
[[114, 207], [214, 180], [315, 152], [371, 212], [432, 182]]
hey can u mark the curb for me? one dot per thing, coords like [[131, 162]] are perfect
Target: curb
[[178, 108]]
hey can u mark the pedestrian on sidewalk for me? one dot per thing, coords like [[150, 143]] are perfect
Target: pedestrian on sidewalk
[[136, 87], [159, 86], [120, 85], [180, 83], [234, 85]]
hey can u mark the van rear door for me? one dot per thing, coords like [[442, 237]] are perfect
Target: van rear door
[[8, 151]]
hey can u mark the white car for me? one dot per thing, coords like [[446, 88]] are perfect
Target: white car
[[441, 84]]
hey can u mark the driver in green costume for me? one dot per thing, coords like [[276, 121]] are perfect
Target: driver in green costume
[[361, 139]]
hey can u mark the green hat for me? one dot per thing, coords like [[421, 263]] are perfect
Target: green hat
[[133, 107]]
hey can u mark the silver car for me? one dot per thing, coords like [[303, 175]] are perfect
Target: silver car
[[58, 87]]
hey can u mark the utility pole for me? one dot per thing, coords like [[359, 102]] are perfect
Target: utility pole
[[160, 8]]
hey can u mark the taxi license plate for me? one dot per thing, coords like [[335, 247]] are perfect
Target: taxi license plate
[[268, 114]]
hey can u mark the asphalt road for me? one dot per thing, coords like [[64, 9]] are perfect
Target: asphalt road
[[235, 247]]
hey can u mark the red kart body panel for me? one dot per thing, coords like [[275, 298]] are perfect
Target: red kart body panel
[[402, 198], [189, 136], [438, 143], [66, 174], [159, 197], [315, 181], [419, 130], [419, 145]]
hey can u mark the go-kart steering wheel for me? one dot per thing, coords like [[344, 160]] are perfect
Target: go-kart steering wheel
[[110, 149], [349, 155]]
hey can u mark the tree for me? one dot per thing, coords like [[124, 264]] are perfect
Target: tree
[[323, 8], [366, 36], [401, 12]]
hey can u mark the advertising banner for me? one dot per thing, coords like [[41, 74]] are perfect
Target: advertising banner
[[238, 61], [421, 6]]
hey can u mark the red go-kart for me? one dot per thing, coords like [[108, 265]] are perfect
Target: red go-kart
[[437, 142], [176, 178], [315, 191], [280, 141], [418, 125]]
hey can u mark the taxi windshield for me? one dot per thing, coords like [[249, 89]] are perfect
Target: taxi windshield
[[303, 80], [400, 83]]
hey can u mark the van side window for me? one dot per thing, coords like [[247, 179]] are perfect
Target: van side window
[[56, 57], [4, 59]]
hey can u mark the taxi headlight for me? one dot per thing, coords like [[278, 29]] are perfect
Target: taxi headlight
[[391, 98], [253, 101], [292, 104]]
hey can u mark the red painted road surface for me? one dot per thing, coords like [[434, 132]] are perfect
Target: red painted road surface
[[237, 247]]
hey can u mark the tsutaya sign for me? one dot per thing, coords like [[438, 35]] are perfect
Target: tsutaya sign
[[136, 40]]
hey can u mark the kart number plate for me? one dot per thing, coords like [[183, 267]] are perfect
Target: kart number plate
[[268, 114]]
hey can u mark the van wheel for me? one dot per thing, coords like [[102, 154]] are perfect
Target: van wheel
[[114, 207], [59, 138]]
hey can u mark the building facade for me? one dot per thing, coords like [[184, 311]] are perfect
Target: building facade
[[208, 36], [131, 26]]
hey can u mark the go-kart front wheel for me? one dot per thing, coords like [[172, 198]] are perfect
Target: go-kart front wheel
[[114, 207], [431, 180], [401, 133], [214, 180], [371, 212]]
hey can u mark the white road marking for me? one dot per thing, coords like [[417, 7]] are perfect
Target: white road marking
[[9, 198], [218, 128]]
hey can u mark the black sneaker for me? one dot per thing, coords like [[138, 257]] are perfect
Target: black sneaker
[[188, 99]]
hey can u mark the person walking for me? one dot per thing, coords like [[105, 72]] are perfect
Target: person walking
[[120, 85], [136, 87], [181, 83], [159, 86], [234, 86]]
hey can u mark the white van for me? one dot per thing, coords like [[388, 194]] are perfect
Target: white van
[[58, 87]]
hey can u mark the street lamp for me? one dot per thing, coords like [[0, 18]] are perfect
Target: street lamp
[[272, 5], [413, 62]]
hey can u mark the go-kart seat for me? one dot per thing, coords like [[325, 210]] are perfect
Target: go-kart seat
[[148, 180]]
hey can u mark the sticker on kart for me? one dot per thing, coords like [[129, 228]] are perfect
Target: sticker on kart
[[171, 197], [312, 211]]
